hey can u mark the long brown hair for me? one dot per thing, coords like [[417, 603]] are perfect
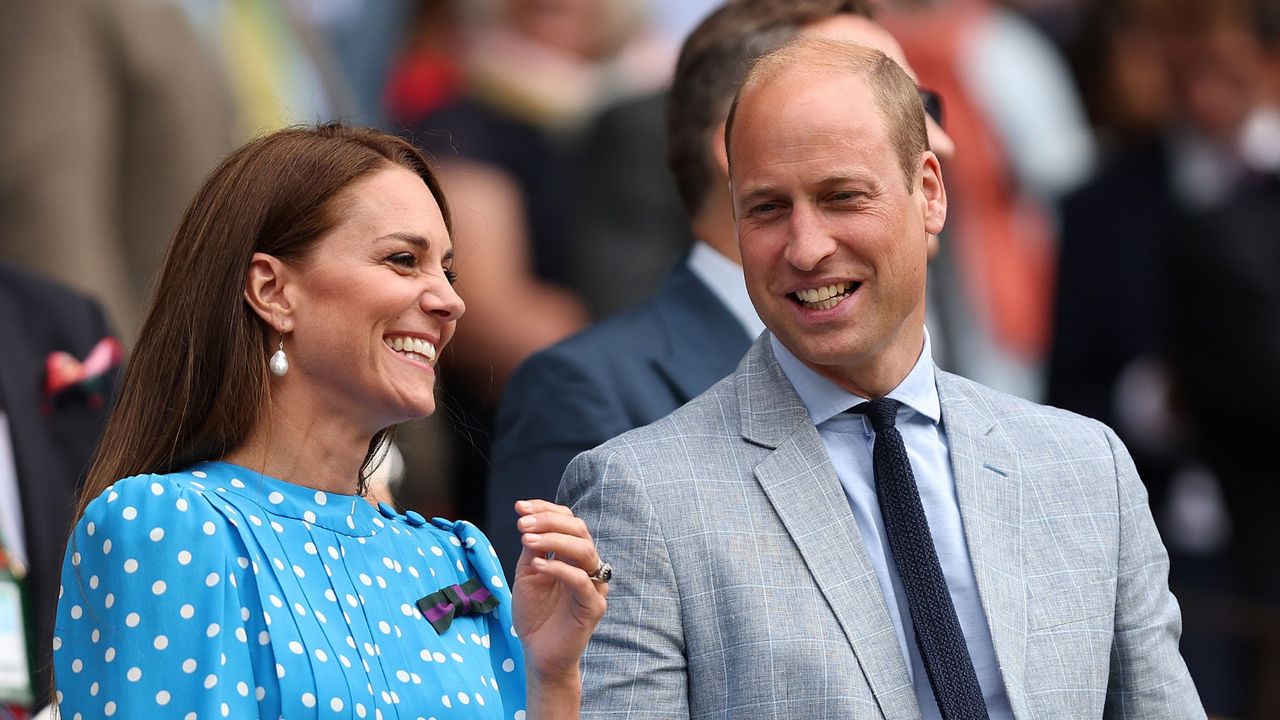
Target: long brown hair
[[198, 376]]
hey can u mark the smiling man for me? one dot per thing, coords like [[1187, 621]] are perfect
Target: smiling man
[[840, 529]]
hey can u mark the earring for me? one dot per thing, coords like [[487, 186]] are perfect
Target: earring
[[279, 362]]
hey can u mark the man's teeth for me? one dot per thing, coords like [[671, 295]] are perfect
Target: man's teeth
[[412, 346], [824, 298]]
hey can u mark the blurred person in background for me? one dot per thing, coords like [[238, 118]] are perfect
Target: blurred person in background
[[639, 366], [1166, 320], [534, 72], [1012, 107], [58, 369], [114, 111]]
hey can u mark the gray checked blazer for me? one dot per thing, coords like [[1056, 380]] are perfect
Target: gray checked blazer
[[742, 588]]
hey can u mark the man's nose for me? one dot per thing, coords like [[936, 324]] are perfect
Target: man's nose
[[809, 242]]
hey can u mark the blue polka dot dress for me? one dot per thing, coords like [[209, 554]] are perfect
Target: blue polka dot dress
[[221, 593]]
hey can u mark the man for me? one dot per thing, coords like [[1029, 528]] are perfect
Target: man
[[51, 415], [838, 529], [641, 365]]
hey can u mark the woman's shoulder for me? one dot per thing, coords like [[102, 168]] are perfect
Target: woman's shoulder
[[153, 505]]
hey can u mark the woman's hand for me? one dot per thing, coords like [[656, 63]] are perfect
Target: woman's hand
[[556, 605]]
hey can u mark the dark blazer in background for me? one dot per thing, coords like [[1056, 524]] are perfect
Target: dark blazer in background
[[615, 376], [52, 442]]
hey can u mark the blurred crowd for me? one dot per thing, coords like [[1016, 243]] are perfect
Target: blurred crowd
[[1113, 246]]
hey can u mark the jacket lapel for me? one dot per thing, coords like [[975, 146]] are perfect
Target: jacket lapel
[[806, 494], [704, 340], [989, 486]]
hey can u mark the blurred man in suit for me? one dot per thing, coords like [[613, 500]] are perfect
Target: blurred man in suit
[[641, 365], [53, 407], [840, 529]]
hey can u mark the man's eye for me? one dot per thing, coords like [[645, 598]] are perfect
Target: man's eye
[[404, 259], [765, 208], [848, 196]]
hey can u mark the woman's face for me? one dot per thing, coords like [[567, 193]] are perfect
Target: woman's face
[[373, 303]]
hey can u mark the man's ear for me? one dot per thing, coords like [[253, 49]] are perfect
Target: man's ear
[[719, 155], [264, 290], [934, 193]]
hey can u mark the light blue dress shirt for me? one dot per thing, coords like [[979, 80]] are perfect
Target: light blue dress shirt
[[849, 439]]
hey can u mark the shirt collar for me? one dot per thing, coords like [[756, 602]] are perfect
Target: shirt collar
[[724, 278], [824, 399]]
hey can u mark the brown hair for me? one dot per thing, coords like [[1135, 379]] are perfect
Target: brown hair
[[712, 63], [198, 376], [895, 93]]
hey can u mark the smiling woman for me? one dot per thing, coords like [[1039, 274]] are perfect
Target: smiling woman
[[223, 563]]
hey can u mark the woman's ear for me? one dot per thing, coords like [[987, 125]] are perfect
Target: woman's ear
[[264, 289]]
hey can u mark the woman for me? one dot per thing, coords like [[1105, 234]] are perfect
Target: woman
[[235, 571]]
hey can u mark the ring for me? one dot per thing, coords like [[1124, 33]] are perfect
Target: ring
[[602, 573]]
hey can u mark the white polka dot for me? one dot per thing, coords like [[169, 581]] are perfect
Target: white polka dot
[[162, 697], [279, 670], [444, 700], [106, 547], [181, 504], [190, 716], [275, 498], [210, 680], [402, 676], [462, 698], [360, 711], [213, 630], [497, 581], [184, 557], [243, 562], [57, 643], [212, 579], [336, 704], [75, 559], [365, 579], [384, 627], [76, 612], [308, 700], [90, 528], [310, 548], [186, 611], [129, 513], [161, 642], [200, 473], [225, 709], [508, 665], [295, 647], [237, 483], [437, 551], [131, 565], [438, 657], [309, 516], [109, 655], [134, 674], [241, 635], [381, 582], [209, 528], [298, 608], [93, 582], [157, 534], [519, 715], [158, 587], [259, 693], [277, 526], [413, 571], [132, 619], [109, 709], [189, 665], [242, 688], [298, 571], [111, 497]]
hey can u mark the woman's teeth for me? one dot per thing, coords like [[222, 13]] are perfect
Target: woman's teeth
[[411, 346], [824, 298]]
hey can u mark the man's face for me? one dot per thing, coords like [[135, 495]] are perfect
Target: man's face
[[833, 240]]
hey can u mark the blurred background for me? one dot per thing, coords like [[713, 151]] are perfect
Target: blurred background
[[1113, 246]]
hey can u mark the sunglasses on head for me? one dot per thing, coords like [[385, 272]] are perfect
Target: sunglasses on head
[[932, 104]]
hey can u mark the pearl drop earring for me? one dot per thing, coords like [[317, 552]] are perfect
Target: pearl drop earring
[[279, 362]]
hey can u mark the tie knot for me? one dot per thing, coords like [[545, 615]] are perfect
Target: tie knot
[[883, 412]]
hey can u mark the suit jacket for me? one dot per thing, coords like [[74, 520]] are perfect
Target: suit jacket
[[53, 446], [742, 588], [620, 374]]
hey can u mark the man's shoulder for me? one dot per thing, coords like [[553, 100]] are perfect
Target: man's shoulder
[[1020, 416]]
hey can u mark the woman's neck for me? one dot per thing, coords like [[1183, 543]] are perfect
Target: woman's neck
[[314, 451]]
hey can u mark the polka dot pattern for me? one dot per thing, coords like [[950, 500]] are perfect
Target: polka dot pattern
[[218, 592]]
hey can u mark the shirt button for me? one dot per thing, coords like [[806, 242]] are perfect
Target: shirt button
[[415, 519], [386, 510]]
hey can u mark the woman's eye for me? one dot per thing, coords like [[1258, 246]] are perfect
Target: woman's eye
[[450, 275], [404, 260]]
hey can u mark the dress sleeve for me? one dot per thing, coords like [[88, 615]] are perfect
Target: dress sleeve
[[505, 651], [150, 622]]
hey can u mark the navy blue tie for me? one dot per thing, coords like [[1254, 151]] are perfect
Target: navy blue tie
[[938, 634]]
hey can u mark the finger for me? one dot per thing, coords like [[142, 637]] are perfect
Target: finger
[[574, 550], [590, 595], [545, 522], [527, 507]]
